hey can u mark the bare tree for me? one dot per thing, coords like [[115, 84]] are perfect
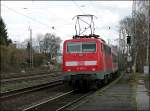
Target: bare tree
[[138, 38], [49, 44]]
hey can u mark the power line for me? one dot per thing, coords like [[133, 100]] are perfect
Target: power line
[[81, 9], [33, 19], [78, 6]]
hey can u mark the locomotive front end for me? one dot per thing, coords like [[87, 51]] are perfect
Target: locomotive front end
[[80, 61]]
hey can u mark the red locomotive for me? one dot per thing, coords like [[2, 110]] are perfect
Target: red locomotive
[[88, 60]]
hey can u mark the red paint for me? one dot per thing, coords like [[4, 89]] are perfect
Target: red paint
[[104, 62]]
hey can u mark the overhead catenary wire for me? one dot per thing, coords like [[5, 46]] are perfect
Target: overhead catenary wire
[[33, 19], [44, 24], [81, 10], [78, 7]]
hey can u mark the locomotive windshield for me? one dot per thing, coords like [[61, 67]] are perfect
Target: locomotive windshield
[[81, 47], [74, 47]]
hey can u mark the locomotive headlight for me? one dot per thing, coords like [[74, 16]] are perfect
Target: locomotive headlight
[[93, 69], [69, 70]]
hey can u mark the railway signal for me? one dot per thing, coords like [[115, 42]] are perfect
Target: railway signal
[[128, 40], [129, 57]]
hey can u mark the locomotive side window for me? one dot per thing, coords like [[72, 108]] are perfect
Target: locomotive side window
[[89, 47], [102, 48], [74, 47], [107, 50], [114, 58]]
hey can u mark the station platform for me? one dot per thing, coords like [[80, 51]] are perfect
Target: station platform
[[130, 93]]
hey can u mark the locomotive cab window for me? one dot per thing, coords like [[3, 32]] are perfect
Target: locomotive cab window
[[114, 58], [89, 47], [74, 47], [102, 48], [81, 47], [107, 50]]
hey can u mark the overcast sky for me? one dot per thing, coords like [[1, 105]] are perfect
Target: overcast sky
[[42, 15]]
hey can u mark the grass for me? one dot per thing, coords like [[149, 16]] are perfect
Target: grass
[[23, 84]]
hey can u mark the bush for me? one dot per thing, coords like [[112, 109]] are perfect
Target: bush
[[14, 60], [38, 59]]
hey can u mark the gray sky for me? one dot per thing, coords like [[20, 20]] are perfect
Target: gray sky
[[42, 15]]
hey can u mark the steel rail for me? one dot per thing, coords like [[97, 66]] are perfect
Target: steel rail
[[29, 89], [46, 101], [13, 75], [18, 75], [70, 103], [26, 77]]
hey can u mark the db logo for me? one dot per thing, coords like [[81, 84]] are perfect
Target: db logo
[[81, 63], [80, 54]]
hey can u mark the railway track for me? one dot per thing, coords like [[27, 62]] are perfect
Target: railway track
[[25, 77], [13, 93], [17, 75], [58, 103], [65, 100]]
